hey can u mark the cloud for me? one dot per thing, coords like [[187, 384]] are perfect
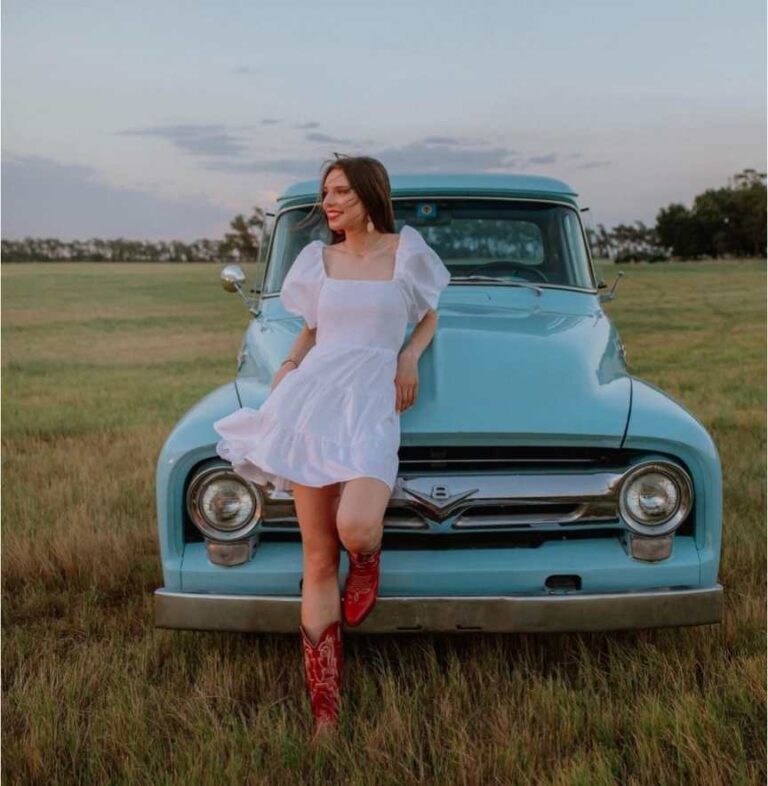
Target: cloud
[[452, 140], [46, 198], [199, 140], [308, 167], [417, 156], [445, 157], [430, 154], [434, 153], [333, 140], [549, 158]]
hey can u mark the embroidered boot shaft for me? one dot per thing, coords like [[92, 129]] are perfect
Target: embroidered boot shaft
[[323, 664], [361, 586]]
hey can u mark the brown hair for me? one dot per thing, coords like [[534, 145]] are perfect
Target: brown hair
[[370, 181]]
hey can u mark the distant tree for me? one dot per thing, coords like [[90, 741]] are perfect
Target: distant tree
[[748, 226], [747, 178], [638, 243], [728, 221], [676, 228], [603, 242], [244, 241]]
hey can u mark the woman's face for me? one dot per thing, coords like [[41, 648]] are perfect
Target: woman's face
[[343, 208]]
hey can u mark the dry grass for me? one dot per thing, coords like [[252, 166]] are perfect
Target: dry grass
[[100, 361]]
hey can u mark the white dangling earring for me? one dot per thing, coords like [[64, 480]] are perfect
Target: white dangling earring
[[370, 227]]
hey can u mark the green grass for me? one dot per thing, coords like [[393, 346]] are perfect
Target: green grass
[[100, 361]]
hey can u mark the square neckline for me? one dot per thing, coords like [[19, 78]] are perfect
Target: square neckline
[[398, 248]]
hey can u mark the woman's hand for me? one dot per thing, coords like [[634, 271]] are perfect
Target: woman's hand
[[286, 368], [406, 380]]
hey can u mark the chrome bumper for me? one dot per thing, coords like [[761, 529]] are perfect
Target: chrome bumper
[[453, 614]]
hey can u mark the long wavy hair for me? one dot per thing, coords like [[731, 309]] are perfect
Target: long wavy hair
[[370, 181]]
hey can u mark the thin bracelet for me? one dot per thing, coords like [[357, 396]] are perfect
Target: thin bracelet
[[289, 360]]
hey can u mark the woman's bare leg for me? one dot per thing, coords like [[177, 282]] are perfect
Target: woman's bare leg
[[360, 515], [320, 600]]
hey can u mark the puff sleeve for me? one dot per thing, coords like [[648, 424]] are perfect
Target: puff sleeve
[[425, 276], [301, 286]]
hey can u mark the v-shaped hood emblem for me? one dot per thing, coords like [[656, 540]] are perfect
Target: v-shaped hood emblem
[[440, 503]]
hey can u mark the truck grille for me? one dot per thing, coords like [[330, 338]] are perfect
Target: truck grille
[[505, 494]]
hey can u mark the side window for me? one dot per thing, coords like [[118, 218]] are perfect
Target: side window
[[289, 236], [266, 235], [569, 219], [577, 255]]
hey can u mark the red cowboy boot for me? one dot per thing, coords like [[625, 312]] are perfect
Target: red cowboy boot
[[323, 664], [361, 586]]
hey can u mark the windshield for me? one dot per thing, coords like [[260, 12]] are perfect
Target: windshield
[[482, 240]]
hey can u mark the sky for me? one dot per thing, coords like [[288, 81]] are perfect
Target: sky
[[162, 120]]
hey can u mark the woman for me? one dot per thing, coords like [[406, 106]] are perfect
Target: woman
[[329, 429]]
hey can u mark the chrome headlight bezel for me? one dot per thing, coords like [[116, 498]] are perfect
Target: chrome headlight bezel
[[196, 512], [683, 483]]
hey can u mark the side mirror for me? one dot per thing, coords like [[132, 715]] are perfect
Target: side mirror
[[232, 278]]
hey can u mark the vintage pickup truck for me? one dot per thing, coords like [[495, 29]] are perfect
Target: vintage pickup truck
[[541, 486]]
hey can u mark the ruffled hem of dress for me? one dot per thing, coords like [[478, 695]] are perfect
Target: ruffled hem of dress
[[278, 455]]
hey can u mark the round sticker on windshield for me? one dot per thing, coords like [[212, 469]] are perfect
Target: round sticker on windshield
[[426, 210]]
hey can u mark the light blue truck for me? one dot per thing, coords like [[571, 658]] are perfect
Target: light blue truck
[[541, 486]]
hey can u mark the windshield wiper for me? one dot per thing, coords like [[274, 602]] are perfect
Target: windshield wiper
[[535, 287]]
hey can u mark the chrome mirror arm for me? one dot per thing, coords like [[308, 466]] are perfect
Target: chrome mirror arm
[[233, 279], [611, 294]]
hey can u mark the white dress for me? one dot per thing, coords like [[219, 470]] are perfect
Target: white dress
[[334, 417]]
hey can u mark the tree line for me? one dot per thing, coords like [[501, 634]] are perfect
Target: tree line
[[120, 250], [722, 223]]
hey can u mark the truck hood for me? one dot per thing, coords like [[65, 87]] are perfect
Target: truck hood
[[521, 376], [515, 376]]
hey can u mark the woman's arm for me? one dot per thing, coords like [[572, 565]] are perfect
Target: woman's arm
[[407, 378], [303, 343]]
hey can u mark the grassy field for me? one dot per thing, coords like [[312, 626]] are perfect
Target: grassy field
[[99, 361]]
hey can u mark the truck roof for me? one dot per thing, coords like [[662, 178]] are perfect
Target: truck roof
[[416, 184]]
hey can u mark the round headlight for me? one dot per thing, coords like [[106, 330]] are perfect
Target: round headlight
[[655, 497], [222, 505]]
